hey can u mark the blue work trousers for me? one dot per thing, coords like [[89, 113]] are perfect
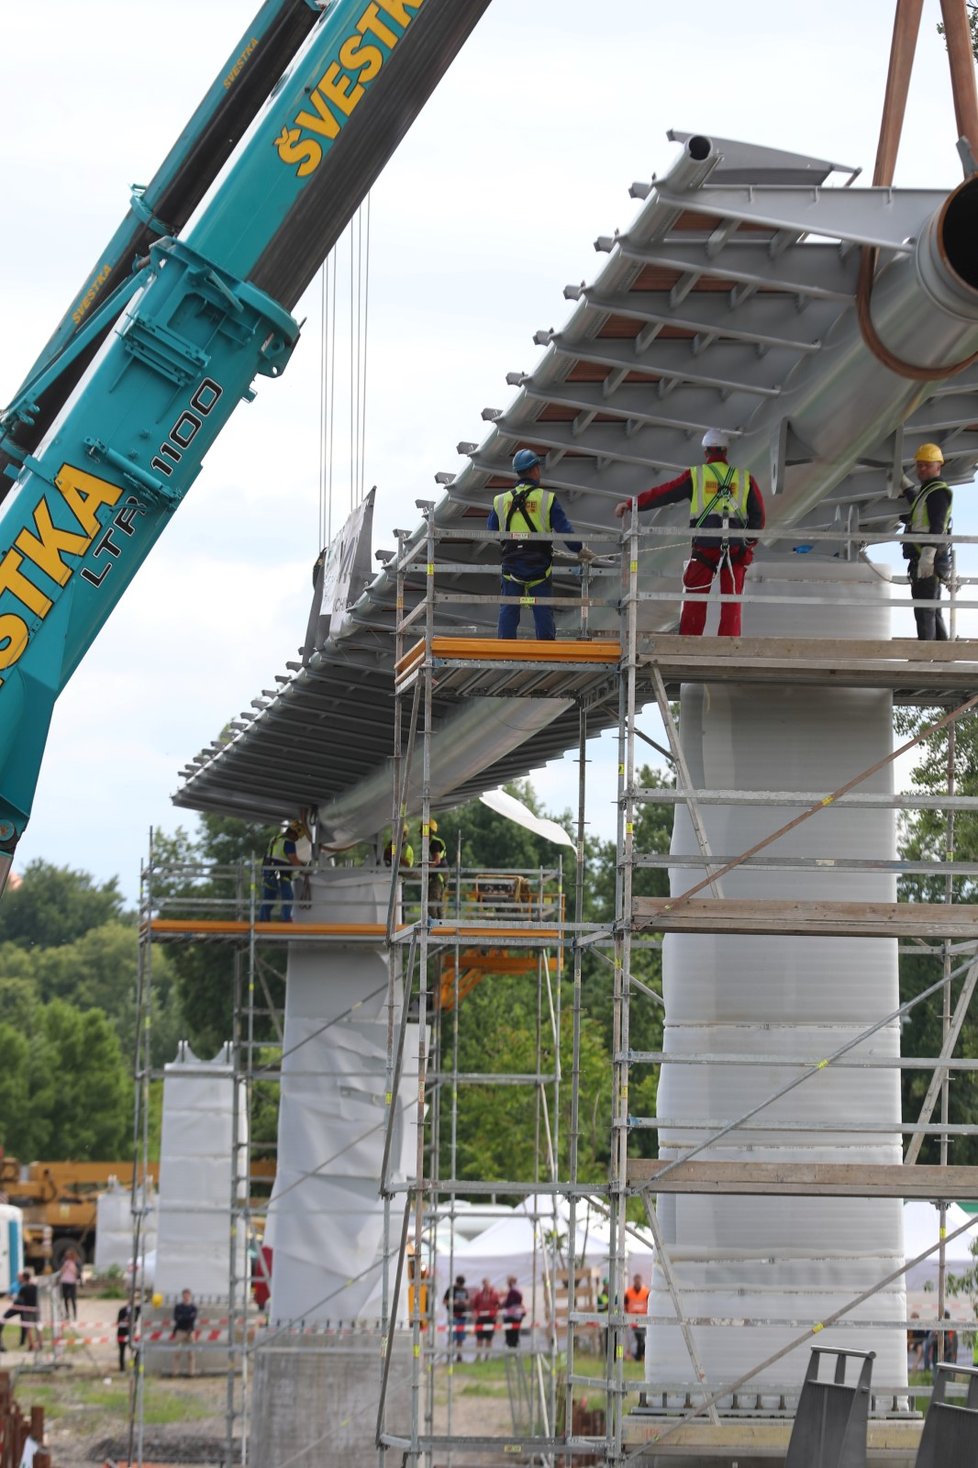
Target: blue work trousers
[[543, 616], [276, 887]]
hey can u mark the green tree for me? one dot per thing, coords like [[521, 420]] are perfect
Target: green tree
[[55, 905], [202, 876], [653, 832], [501, 1128], [926, 836], [65, 1090], [96, 971], [15, 1087], [487, 839]]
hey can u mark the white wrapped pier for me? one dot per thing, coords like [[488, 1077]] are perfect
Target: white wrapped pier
[[326, 1215], [783, 1263], [193, 1237]]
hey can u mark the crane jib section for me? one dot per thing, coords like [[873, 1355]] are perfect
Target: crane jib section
[[342, 85], [208, 313]]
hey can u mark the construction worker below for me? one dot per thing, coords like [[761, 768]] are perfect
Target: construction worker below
[[930, 564], [407, 850], [437, 861], [720, 498], [527, 566], [276, 886]]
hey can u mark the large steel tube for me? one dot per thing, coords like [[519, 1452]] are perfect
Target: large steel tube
[[842, 401], [789, 1002]]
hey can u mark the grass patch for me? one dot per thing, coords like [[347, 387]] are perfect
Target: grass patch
[[95, 1407], [30, 1395], [163, 1405]]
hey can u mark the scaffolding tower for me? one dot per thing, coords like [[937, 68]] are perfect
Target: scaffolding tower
[[640, 667], [555, 1377]]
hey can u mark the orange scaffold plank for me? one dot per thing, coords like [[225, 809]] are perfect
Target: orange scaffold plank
[[512, 650], [230, 927]]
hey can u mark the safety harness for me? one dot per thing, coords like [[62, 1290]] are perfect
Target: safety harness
[[518, 497], [729, 497], [919, 520]]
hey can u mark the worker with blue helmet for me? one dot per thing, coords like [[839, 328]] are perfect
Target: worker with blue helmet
[[527, 565]]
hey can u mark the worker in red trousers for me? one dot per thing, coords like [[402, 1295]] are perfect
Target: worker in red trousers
[[720, 498]]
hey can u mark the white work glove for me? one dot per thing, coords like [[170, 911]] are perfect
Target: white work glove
[[925, 563], [586, 556]]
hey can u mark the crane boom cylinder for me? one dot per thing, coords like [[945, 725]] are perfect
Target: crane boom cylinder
[[163, 207]]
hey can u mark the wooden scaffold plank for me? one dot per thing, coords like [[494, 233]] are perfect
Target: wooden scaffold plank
[[761, 917], [805, 1179]]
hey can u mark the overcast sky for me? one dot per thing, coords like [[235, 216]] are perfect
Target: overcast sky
[[522, 157]]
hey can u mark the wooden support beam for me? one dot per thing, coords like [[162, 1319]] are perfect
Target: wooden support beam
[[803, 919], [857, 662], [806, 1179], [836, 651]]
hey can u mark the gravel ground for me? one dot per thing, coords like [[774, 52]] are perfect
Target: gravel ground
[[87, 1401]]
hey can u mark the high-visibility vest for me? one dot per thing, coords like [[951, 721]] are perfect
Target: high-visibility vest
[[919, 521], [524, 508], [407, 853], [718, 489], [277, 851]]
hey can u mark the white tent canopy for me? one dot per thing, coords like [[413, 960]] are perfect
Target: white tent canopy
[[530, 1240], [921, 1229]]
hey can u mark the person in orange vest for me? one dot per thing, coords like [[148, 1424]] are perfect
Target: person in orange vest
[[720, 496], [637, 1303]]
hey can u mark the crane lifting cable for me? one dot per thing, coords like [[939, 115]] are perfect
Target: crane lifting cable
[[335, 317], [957, 34]]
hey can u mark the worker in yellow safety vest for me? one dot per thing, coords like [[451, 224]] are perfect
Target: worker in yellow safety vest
[[724, 499], [529, 509], [277, 866], [930, 564], [407, 850]]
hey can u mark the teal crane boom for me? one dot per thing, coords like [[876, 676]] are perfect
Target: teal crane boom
[[130, 398], [161, 208]]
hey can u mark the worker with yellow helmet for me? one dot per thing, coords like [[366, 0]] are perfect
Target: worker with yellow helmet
[[929, 513]]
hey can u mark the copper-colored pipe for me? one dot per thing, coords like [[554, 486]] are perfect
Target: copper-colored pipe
[[957, 34], [906, 24]]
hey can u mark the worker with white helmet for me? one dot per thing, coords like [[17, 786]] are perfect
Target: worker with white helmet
[[929, 514], [720, 498]]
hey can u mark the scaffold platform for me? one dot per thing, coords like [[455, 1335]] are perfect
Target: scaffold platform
[[762, 916], [916, 672], [526, 667], [805, 1179]]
